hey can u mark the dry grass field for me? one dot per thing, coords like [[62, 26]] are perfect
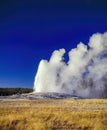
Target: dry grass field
[[69, 114]]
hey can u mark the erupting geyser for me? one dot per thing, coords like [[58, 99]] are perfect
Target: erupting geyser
[[84, 74]]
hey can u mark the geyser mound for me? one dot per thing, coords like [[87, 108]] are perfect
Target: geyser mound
[[85, 74]]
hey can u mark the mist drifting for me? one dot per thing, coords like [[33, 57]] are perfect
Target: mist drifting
[[84, 74]]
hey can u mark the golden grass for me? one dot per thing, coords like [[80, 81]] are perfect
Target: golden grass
[[53, 114]]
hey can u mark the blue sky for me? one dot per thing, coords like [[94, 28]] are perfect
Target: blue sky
[[31, 29]]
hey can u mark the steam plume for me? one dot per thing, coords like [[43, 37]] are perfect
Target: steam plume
[[83, 75]]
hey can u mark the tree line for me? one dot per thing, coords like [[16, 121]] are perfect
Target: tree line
[[11, 91]]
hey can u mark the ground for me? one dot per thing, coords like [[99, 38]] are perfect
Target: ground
[[66, 114]]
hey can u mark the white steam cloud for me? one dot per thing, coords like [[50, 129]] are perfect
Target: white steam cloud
[[83, 75]]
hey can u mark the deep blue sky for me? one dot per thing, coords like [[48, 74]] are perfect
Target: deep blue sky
[[31, 29]]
